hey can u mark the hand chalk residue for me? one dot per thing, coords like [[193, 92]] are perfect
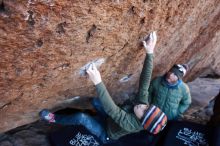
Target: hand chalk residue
[[97, 62], [125, 78]]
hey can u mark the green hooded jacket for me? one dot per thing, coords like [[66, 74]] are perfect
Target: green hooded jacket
[[122, 122]]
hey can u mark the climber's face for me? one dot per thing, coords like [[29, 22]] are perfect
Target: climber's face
[[171, 77], [139, 110]]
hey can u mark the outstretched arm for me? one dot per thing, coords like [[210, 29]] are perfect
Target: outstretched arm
[[109, 106], [145, 77], [115, 112]]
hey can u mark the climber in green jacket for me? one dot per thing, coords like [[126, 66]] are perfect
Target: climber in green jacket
[[170, 93], [136, 115], [117, 121]]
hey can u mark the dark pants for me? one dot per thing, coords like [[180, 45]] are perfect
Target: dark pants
[[96, 125]]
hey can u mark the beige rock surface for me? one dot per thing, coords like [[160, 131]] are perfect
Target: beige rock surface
[[204, 91], [45, 43]]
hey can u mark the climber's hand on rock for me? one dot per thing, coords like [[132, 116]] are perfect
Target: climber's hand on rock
[[150, 42], [94, 74]]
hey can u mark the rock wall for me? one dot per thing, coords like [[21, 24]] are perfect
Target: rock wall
[[45, 45], [204, 92]]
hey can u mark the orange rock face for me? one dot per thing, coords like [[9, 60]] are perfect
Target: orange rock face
[[45, 45]]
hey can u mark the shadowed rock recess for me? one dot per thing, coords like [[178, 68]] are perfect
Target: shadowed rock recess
[[45, 45]]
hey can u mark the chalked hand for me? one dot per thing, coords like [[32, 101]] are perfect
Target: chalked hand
[[149, 42], [94, 74]]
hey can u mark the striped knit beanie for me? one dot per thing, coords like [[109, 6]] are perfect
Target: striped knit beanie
[[154, 120]]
